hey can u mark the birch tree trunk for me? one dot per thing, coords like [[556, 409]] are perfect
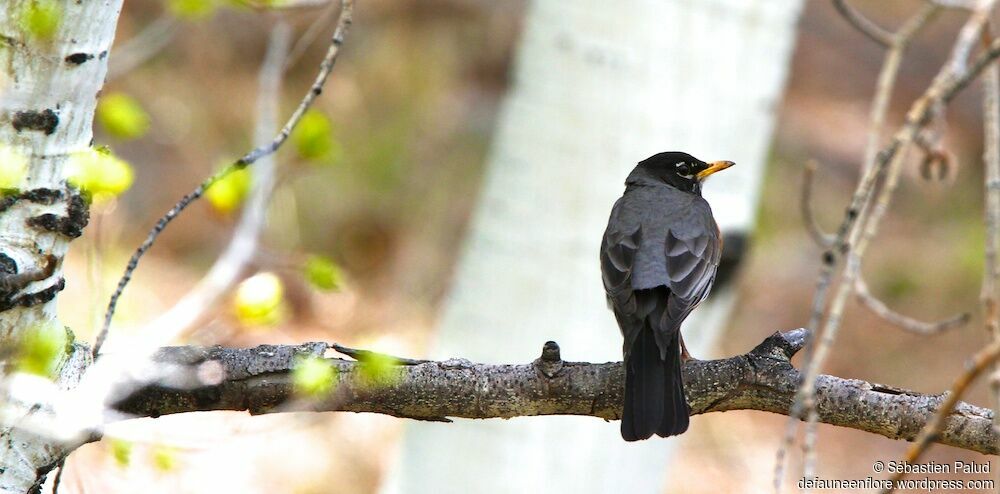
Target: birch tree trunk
[[48, 92], [596, 89]]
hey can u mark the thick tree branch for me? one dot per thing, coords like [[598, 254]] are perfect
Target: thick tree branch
[[259, 380]]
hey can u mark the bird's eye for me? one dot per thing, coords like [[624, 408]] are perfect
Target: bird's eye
[[683, 169]]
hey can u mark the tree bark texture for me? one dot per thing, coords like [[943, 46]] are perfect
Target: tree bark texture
[[48, 93], [258, 380]]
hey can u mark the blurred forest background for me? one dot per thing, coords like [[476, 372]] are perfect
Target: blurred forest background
[[412, 103]]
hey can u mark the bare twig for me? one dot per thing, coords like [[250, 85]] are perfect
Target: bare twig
[[312, 32], [954, 4], [990, 294], [241, 249], [905, 322], [874, 164], [868, 207], [269, 5], [969, 34], [873, 167], [822, 239], [991, 161], [887, 81], [865, 213], [57, 482], [985, 358], [365, 355], [936, 163], [809, 447], [326, 66], [874, 191], [867, 27]]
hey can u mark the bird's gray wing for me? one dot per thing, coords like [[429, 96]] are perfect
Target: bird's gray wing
[[682, 267], [618, 253], [691, 266]]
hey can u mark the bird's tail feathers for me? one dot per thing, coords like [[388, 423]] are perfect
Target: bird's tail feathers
[[654, 391]]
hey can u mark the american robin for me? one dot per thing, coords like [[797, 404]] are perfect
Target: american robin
[[659, 257]]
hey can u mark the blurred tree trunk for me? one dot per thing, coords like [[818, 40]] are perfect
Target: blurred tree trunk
[[596, 89], [50, 75]]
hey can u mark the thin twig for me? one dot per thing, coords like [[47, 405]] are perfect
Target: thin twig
[[905, 322], [862, 222], [970, 32], [364, 355], [822, 239], [985, 358], [312, 32], [868, 208], [872, 168], [867, 27], [326, 66], [269, 5], [847, 244], [954, 4], [809, 447], [59, 473], [887, 81], [241, 249], [990, 294]]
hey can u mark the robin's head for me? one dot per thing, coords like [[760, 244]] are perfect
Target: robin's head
[[679, 170]]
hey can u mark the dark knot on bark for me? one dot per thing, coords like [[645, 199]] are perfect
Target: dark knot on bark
[[550, 352], [550, 363]]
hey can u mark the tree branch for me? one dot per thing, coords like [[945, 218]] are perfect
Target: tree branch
[[259, 380], [863, 24], [907, 323], [823, 240], [983, 359]]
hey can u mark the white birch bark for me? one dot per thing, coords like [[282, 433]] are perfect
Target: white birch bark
[[597, 88], [48, 93]]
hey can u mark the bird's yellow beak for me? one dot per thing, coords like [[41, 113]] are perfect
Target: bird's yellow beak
[[713, 167]]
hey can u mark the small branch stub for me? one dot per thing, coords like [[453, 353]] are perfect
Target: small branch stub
[[550, 363]]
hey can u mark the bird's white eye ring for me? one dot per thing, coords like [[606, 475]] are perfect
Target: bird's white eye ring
[[682, 168]]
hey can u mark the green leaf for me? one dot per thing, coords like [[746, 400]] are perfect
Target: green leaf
[[313, 138], [99, 173], [40, 18], [121, 451], [323, 273], [377, 369], [164, 458], [192, 10], [122, 116], [42, 349], [313, 376], [229, 192], [259, 300]]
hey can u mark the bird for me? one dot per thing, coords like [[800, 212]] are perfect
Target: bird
[[659, 257]]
